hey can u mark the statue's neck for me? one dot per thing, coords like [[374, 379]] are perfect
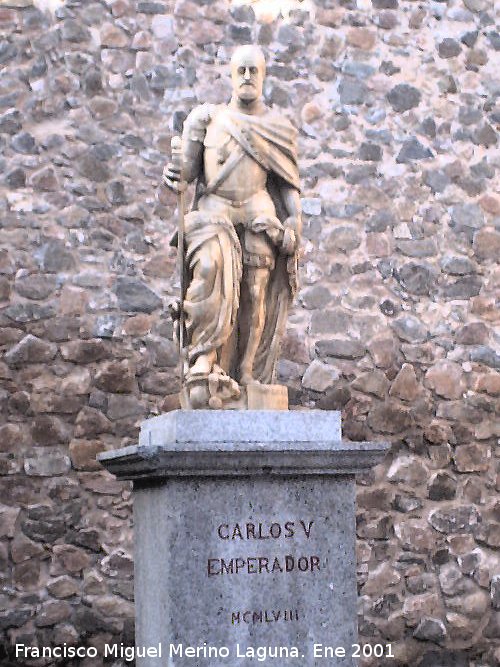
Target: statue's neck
[[255, 107]]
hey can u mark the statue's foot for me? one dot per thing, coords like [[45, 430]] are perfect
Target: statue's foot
[[247, 378], [202, 366]]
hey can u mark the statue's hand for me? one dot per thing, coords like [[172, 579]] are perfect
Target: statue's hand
[[174, 308], [171, 177], [292, 222], [290, 236], [289, 243]]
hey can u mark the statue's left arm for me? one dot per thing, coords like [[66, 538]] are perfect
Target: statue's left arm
[[293, 222]]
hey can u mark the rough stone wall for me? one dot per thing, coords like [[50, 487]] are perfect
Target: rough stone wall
[[396, 105]]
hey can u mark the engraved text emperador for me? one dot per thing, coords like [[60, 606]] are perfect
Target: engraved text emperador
[[260, 564]]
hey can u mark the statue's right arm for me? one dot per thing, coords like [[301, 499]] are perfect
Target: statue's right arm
[[193, 135]]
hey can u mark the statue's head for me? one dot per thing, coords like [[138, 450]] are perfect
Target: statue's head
[[248, 68]]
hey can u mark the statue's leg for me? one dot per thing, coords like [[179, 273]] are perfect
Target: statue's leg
[[253, 295], [204, 273]]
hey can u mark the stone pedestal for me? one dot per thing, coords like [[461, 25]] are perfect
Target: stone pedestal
[[245, 537]]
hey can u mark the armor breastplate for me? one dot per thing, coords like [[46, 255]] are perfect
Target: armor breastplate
[[247, 178]]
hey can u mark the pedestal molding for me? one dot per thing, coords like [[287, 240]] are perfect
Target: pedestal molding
[[243, 459]]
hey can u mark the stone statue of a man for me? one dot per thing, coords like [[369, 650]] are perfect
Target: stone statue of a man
[[240, 242]]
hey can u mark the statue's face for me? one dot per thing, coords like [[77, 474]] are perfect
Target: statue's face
[[247, 74]]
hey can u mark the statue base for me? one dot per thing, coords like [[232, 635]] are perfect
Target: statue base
[[196, 394], [245, 531]]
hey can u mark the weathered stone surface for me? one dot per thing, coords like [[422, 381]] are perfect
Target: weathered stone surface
[[112, 36], [328, 321], [416, 278], [457, 266], [42, 523], [120, 407], [70, 558], [158, 382], [384, 351], [390, 418], [16, 178], [495, 592], [430, 629], [449, 48], [410, 329], [361, 38], [486, 244], [472, 458], [117, 564], [54, 256], [408, 470], [446, 378], [86, 620], [73, 31], [48, 430], [52, 612], [461, 519], [370, 152], [451, 580], [93, 168], [45, 179], [8, 516], [83, 454], [466, 218], [47, 462], [334, 399], [114, 606], [91, 422], [31, 350], [484, 354], [319, 376], [83, 351], [136, 296], [488, 383], [22, 548], [15, 618], [405, 385], [418, 607], [36, 286], [485, 135], [343, 239], [475, 333], [10, 121], [24, 143], [436, 179], [405, 504], [404, 97], [352, 91], [341, 349], [442, 486], [116, 377], [413, 150], [375, 382], [314, 297], [471, 605], [463, 288], [380, 579], [63, 587]]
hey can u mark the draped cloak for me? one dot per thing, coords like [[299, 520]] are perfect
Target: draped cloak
[[211, 306]]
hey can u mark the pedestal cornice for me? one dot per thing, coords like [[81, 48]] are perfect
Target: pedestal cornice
[[242, 443]]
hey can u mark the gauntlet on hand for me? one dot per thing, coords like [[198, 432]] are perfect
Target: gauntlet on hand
[[290, 236]]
